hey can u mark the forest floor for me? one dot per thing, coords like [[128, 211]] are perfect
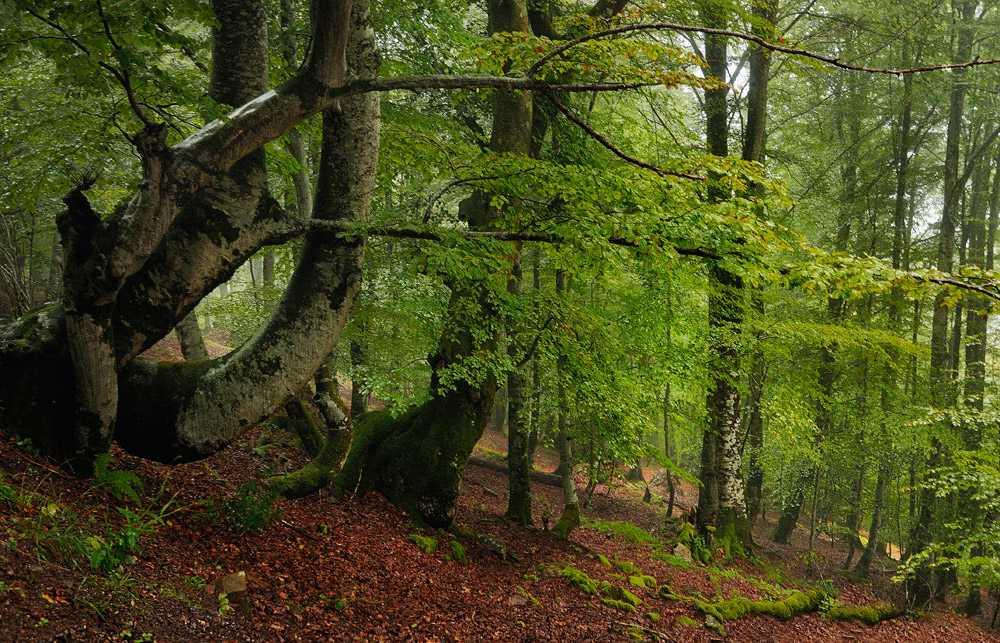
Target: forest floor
[[351, 569]]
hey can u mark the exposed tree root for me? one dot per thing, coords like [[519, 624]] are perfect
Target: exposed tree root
[[551, 479]]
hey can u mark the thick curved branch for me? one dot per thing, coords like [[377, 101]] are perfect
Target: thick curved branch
[[351, 231], [795, 51]]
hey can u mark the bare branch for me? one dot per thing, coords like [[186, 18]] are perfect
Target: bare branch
[[795, 51], [122, 79], [617, 152]]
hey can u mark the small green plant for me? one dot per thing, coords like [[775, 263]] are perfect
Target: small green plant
[[828, 604], [263, 444], [11, 497], [525, 593], [252, 507], [196, 582], [828, 588], [224, 606], [120, 484], [25, 443], [57, 535], [7, 588]]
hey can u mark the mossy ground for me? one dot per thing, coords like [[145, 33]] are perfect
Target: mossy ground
[[426, 544], [624, 531]]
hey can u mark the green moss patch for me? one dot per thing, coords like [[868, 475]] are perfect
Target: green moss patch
[[644, 581], [686, 621], [619, 605], [580, 579], [426, 544], [689, 537], [619, 594], [627, 567], [602, 559], [568, 521], [673, 561], [870, 614], [667, 593], [527, 595], [625, 532], [797, 603], [458, 552]]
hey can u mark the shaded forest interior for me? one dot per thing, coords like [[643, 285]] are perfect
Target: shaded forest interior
[[726, 270]]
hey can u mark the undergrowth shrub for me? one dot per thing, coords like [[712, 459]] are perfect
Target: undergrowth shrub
[[253, 506], [10, 496], [120, 484]]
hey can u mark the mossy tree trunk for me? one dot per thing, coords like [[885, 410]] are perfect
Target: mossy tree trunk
[[202, 210], [203, 409], [919, 585], [570, 518], [417, 460], [536, 376], [983, 197], [518, 416], [871, 549], [755, 136], [722, 501], [790, 512]]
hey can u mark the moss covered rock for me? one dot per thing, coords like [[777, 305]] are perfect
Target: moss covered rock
[[580, 579], [619, 594], [667, 593], [458, 552], [627, 567], [644, 581], [689, 537], [619, 605]]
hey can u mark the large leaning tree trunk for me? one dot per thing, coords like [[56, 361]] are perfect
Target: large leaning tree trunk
[[69, 377], [417, 459]]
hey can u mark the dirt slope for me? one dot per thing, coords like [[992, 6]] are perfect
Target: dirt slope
[[349, 571]]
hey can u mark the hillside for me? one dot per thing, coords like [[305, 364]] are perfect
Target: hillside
[[349, 570]]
